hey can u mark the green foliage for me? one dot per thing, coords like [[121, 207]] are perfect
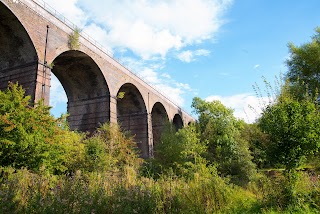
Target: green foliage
[[110, 149], [292, 125], [121, 95], [73, 173], [258, 144], [275, 192], [304, 63], [51, 65], [29, 135], [74, 39], [226, 147], [178, 151], [204, 192], [293, 129], [46, 168]]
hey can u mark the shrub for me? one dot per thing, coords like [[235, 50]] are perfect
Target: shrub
[[30, 137], [74, 39], [178, 152], [110, 149]]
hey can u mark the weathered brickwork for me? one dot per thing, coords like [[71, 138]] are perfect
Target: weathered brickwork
[[34, 44]]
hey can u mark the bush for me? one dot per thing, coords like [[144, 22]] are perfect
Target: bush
[[31, 138], [108, 149], [177, 153], [204, 192]]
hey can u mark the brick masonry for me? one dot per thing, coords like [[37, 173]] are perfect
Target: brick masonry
[[91, 78]]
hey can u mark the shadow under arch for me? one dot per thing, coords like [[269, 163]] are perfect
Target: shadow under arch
[[132, 116], [86, 88], [160, 119], [18, 56], [177, 122]]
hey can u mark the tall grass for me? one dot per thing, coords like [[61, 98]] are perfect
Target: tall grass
[[25, 192]]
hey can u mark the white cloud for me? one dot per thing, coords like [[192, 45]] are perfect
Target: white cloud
[[150, 76], [147, 30], [99, 34], [166, 75], [256, 66], [147, 27], [246, 106], [69, 9], [202, 52], [188, 56], [161, 81], [185, 56]]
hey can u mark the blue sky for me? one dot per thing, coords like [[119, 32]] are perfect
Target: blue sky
[[213, 49]]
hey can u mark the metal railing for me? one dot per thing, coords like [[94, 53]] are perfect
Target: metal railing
[[87, 37]]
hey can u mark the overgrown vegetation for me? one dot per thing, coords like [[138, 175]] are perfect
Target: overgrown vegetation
[[73, 42], [218, 165]]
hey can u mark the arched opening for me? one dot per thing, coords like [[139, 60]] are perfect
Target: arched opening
[[177, 122], [87, 91], [133, 117], [18, 56], [159, 119]]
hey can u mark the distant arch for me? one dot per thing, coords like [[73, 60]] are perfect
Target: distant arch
[[132, 115], [177, 121], [86, 88], [159, 118], [18, 56]]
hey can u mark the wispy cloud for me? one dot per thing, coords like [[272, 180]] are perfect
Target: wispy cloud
[[188, 56], [246, 106], [224, 74], [160, 80], [185, 56], [69, 9], [146, 27], [256, 66]]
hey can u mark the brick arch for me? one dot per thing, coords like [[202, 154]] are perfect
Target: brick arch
[[18, 55], [86, 88], [132, 115], [177, 121], [159, 118]]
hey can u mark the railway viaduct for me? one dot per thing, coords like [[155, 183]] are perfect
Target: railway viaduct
[[34, 41]]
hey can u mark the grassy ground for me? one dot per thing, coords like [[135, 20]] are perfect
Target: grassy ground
[[126, 192]]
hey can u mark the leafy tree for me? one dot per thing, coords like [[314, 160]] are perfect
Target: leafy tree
[[222, 131], [30, 136], [304, 64], [258, 144], [293, 127], [179, 151]]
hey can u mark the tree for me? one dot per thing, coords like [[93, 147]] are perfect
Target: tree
[[30, 137], [222, 131], [304, 64], [178, 152], [293, 126], [258, 144]]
